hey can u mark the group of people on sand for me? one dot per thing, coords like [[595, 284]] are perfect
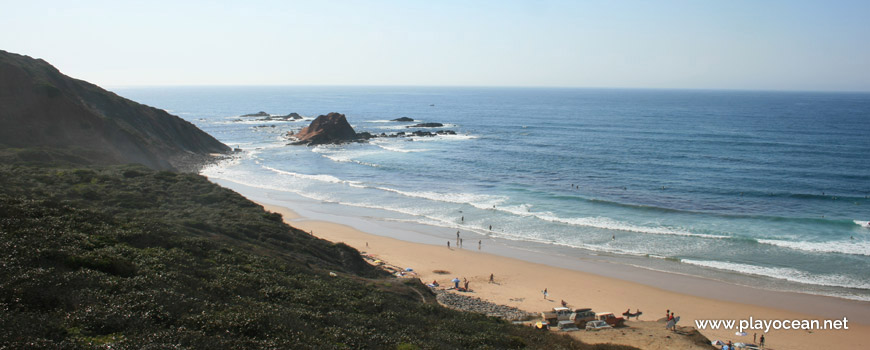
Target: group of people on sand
[[460, 241], [730, 346]]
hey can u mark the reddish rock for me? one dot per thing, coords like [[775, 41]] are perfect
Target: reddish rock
[[325, 129]]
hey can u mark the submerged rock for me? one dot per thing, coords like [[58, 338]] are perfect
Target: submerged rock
[[427, 125], [258, 114], [294, 116]]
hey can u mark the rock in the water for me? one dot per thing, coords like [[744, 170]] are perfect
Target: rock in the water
[[294, 116], [427, 125], [326, 129], [258, 114], [402, 119]]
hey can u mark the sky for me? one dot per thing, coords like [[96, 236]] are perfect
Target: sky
[[690, 44]]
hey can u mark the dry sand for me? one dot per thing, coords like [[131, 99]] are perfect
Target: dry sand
[[520, 283]]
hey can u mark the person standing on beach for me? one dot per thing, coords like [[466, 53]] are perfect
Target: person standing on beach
[[761, 341], [491, 278], [460, 242], [478, 244], [545, 293], [448, 244]]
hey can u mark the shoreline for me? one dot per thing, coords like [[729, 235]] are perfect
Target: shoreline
[[520, 281]]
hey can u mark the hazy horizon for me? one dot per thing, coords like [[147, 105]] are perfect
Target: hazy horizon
[[738, 45]]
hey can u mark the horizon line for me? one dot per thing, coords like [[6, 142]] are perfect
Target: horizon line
[[479, 87]]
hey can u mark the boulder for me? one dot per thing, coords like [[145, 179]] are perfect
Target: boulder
[[402, 119], [326, 129]]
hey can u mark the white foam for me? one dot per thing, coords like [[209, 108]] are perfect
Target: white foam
[[862, 223], [480, 201], [318, 177], [342, 155], [392, 148], [844, 247], [442, 137], [610, 224], [784, 273], [520, 210]]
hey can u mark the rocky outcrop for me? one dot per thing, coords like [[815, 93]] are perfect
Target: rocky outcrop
[[258, 114], [333, 128], [326, 129], [429, 133], [42, 108], [426, 125], [402, 119], [269, 117]]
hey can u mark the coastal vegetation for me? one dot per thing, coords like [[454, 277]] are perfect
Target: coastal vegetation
[[129, 257]]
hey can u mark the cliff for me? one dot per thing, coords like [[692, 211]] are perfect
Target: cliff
[[41, 108]]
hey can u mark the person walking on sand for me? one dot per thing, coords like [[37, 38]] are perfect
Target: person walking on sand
[[761, 341], [478, 244], [448, 244], [460, 242], [491, 278], [545, 293]]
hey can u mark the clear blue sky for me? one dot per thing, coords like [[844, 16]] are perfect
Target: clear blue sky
[[725, 44]]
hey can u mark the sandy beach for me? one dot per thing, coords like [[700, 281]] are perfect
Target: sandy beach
[[520, 284]]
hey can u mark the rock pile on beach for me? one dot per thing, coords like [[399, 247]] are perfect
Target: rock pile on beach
[[475, 304]]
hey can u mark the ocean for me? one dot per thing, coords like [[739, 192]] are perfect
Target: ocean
[[768, 189]]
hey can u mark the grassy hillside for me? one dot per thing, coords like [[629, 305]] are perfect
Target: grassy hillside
[[127, 257]]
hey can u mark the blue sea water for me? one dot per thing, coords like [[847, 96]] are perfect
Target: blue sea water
[[772, 185]]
